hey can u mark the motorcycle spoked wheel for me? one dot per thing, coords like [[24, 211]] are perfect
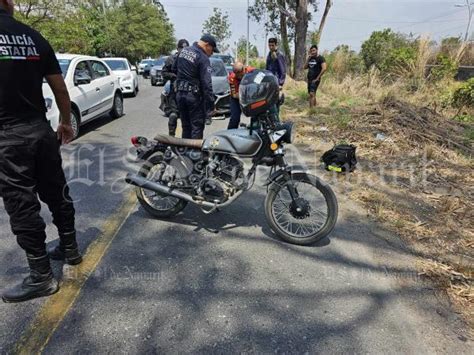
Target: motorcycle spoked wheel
[[155, 203], [309, 220]]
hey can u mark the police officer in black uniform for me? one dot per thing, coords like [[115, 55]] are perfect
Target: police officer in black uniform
[[194, 86], [30, 161], [169, 74]]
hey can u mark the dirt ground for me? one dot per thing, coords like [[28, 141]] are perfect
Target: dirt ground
[[415, 176]]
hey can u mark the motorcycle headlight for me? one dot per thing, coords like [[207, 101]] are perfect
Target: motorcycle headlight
[[153, 72], [49, 103]]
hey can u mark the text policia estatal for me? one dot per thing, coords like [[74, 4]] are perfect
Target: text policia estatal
[[17, 47]]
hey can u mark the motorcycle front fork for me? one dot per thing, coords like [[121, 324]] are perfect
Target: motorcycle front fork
[[287, 178]]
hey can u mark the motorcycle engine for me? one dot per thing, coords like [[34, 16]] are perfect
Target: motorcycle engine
[[225, 178]]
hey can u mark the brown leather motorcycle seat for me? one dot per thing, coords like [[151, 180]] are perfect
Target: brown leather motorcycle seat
[[180, 142]]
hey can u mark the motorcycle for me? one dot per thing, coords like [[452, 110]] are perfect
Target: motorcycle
[[168, 103], [299, 207]]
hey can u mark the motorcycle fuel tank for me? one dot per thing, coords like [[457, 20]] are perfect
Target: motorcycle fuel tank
[[234, 141]]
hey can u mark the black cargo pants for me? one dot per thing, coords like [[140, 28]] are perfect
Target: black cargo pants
[[192, 114], [31, 167]]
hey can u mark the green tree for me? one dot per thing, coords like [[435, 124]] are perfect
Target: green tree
[[241, 49], [37, 12], [289, 19], [138, 28], [387, 50], [218, 25], [130, 28]]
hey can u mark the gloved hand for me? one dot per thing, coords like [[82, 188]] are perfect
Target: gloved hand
[[209, 117]]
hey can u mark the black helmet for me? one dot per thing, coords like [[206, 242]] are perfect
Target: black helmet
[[259, 91]]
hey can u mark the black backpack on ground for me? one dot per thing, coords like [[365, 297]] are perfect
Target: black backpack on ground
[[341, 158]]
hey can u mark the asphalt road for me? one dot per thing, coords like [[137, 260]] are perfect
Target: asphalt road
[[223, 282]]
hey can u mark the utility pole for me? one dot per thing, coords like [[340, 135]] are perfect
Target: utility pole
[[248, 33], [265, 45], [470, 9], [104, 9]]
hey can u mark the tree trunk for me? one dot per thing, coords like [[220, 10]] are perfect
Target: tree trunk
[[301, 30], [323, 20], [284, 37]]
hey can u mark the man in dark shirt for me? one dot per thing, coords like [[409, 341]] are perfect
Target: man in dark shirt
[[169, 74], [30, 162], [276, 62], [194, 86], [316, 65]]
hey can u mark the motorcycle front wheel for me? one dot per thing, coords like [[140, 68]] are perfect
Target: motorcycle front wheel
[[155, 203], [309, 217]]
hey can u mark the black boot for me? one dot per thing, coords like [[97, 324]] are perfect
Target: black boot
[[67, 249], [172, 123], [40, 283]]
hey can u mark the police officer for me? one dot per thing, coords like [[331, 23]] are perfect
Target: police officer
[[194, 86], [30, 161], [169, 74]]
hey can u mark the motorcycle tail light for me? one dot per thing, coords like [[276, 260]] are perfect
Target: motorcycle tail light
[[138, 141], [258, 104]]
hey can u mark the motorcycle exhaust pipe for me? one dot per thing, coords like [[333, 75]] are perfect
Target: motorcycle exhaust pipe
[[144, 183]]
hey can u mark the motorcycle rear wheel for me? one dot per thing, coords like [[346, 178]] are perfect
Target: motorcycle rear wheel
[[152, 201], [307, 222]]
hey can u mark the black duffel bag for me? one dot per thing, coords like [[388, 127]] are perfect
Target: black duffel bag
[[341, 158]]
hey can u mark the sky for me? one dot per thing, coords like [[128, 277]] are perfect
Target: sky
[[349, 22]]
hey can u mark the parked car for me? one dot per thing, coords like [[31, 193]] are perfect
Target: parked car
[[127, 74], [220, 87], [156, 76], [227, 59], [94, 90], [145, 66], [220, 84]]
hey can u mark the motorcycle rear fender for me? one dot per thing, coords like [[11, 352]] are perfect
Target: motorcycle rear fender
[[143, 153]]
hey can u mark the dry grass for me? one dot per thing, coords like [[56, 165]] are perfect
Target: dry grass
[[417, 181]]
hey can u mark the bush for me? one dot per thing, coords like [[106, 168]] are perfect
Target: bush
[[257, 63], [446, 68], [463, 97], [387, 50], [342, 61]]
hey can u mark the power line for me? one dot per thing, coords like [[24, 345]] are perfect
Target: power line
[[430, 19], [194, 5], [381, 21], [362, 36]]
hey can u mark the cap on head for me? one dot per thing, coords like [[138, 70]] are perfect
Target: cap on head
[[209, 39], [182, 43]]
